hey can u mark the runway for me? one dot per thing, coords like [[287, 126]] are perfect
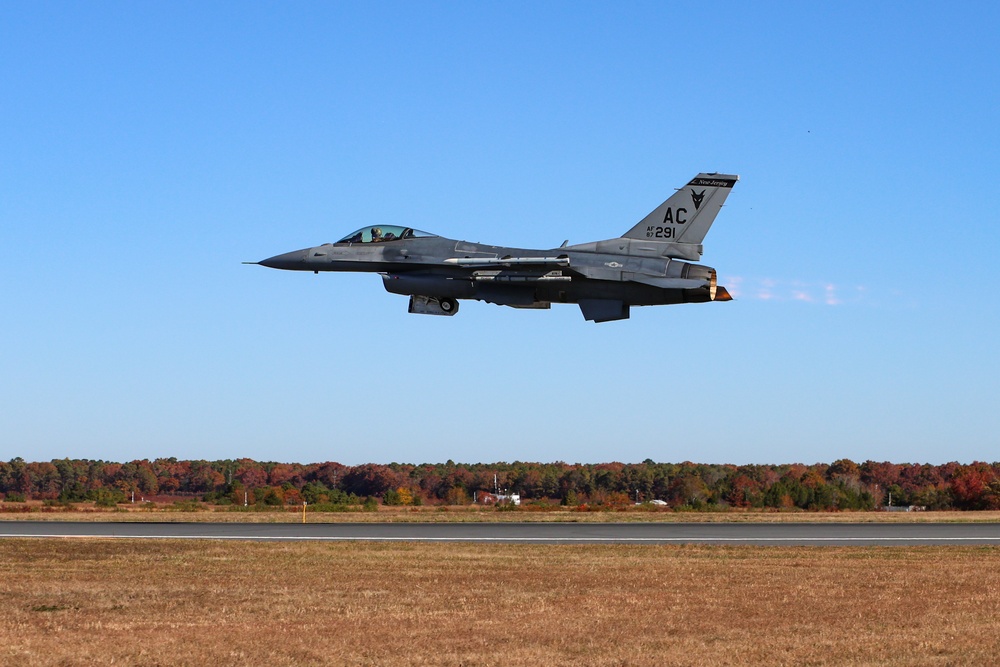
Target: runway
[[761, 534]]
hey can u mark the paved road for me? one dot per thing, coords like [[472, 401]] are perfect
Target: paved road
[[780, 534]]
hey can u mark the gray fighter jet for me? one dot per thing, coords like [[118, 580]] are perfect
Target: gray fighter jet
[[643, 267]]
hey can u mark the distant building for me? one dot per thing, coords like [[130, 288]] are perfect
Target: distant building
[[497, 498], [484, 498]]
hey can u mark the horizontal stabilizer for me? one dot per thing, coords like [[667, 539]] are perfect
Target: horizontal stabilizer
[[669, 283]]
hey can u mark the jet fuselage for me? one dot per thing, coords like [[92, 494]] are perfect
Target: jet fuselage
[[642, 268]]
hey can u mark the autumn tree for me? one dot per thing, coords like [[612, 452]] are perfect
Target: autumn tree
[[371, 479]]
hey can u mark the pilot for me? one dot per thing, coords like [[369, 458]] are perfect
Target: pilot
[[376, 234]]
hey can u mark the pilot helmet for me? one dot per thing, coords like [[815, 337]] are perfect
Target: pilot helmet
[[376, 232]]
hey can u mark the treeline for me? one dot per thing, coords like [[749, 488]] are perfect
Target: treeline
[[841, 485]]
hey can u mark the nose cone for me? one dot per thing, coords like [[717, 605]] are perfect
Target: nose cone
[[291, 261]]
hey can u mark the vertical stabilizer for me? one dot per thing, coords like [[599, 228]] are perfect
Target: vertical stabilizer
[[688, 214]]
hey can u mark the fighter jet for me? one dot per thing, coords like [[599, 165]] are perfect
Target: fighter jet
[[648, 265]]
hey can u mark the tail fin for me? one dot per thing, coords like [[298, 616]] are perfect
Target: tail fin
[[686, 217]]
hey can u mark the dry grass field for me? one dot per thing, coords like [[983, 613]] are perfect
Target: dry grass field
[[84, 601]]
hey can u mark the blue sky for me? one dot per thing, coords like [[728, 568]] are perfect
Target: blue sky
[[146, 149]]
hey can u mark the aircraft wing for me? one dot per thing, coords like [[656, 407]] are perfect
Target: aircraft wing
[[508, 261]]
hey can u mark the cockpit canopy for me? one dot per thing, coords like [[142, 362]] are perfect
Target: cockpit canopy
[[383, 234]]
